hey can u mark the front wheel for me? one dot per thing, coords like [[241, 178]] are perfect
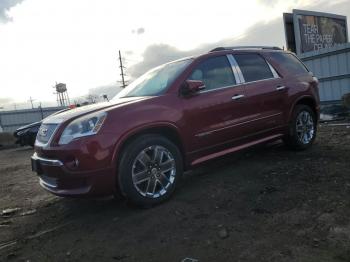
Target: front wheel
[[149, 169], [302, 128]]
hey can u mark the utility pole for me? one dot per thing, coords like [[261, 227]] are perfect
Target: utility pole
[[31, 101], [41, 111], [121, 70]]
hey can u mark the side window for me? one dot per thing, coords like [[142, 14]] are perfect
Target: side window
[[253, 67], [290, 62], [215, 72]]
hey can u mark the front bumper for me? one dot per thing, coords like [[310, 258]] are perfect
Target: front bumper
[[58, 179]]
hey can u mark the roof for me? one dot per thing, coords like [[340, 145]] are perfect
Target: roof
[[245, 48]]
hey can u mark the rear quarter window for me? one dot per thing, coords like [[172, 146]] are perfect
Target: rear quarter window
[[290, 63], [253, 67]]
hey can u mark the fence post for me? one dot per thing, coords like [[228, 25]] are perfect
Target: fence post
[[41, 111], [1, 123]]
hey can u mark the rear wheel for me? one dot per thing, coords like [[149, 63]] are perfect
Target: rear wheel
[[302, 128], [149, 169]]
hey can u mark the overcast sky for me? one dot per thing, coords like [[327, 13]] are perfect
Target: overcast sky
[[76, 42]]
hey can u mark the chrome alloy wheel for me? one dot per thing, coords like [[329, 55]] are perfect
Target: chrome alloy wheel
[[305, 127], [153, 171]]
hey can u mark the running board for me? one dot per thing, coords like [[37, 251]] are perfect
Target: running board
[[234, 149]]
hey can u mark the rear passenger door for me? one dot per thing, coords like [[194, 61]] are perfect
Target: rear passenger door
[[265, 92]]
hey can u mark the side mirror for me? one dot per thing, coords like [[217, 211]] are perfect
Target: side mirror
[[190, 87]]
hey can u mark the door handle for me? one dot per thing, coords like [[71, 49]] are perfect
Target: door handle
[[278, 88], [236, 97]]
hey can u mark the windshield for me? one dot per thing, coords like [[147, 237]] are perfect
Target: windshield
[[155, 81]]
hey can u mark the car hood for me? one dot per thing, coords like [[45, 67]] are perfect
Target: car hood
[[80, 111], [28, 126]]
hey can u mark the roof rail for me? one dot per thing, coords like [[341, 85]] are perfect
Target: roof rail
[[245, 47]]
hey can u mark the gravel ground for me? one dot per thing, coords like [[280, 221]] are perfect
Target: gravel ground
[[263, 204]]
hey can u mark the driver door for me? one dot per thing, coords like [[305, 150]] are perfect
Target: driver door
[[215, 116]]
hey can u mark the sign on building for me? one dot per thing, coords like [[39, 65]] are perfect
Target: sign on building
[[312, 31]]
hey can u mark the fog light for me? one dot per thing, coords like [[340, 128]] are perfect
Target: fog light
[[72, 162]]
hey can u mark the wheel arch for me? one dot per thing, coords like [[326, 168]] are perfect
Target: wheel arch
[[167, 130], [305, 100]]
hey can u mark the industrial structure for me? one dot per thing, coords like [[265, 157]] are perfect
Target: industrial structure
[[62, 94]]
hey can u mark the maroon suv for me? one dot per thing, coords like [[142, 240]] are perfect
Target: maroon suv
[[175, 116]]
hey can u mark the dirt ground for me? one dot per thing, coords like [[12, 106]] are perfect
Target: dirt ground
[[263, 204]]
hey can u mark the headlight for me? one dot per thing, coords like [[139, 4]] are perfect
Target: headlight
[[84, 126]]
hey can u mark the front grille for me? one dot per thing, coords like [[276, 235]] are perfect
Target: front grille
[[45, 132]]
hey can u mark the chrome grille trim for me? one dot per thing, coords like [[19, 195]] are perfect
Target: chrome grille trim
[[47, 161]]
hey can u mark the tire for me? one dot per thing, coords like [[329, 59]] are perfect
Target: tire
[[149, 169], [32, 141], [302, 128]]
